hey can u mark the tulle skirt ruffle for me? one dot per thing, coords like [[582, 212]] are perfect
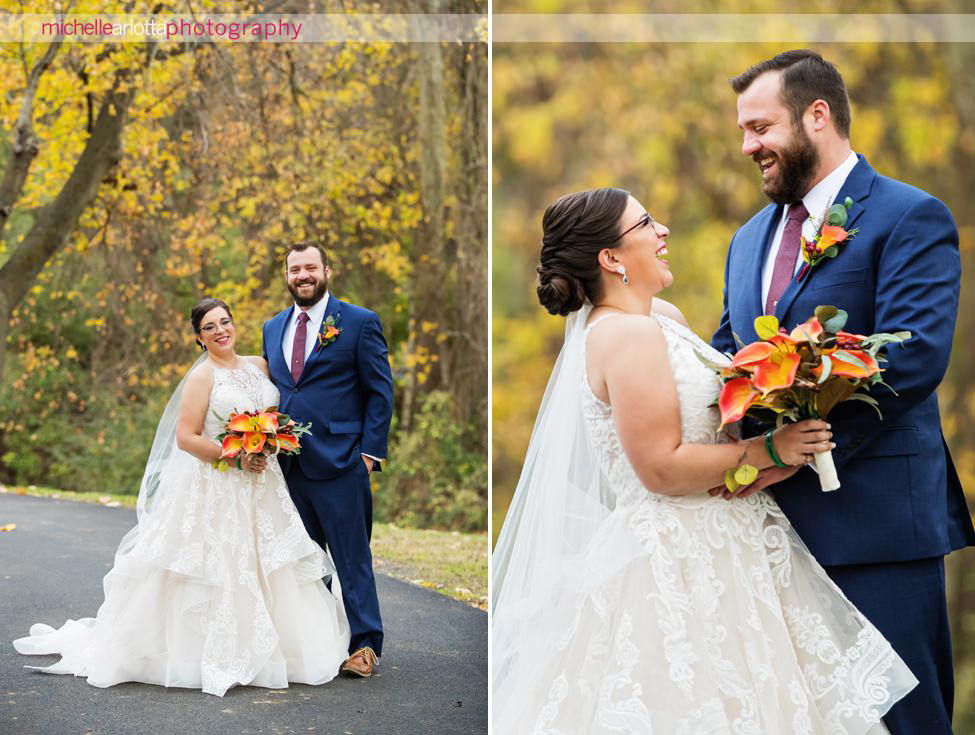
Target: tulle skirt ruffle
[[219, 586]]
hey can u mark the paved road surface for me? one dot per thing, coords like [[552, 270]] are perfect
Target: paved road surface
[[434, 667]]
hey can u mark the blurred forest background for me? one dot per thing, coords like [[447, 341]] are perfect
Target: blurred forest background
[[660, 120], [137, 178]]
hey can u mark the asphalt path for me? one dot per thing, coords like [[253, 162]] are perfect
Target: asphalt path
[[433, 677]]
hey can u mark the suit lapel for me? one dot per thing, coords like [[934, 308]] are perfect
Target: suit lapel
[[857, 186], [332, 309], [756, 258], [275, 350]]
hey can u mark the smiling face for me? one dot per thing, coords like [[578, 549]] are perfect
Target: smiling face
[[217, 331], [307, 276], [786, 156], [643, 250]]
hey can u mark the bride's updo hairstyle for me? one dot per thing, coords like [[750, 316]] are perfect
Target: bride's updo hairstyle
[[203, 308], [574, 229]]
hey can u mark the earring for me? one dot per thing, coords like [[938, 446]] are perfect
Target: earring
[[622, 270]]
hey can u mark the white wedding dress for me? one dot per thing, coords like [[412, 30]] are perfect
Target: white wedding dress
[[223, 586], [693, 615]]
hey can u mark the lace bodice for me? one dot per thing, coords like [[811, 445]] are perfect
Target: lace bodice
[[697, 391], [237, 389]]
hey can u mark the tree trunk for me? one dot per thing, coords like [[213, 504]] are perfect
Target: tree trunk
[[470, 375], [427, 318], [55, 222], [24, 148]]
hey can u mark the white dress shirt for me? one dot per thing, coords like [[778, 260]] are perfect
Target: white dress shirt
[[316, 315], [816, 200]]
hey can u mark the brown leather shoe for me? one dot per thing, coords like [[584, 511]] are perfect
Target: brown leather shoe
[[363, 662]]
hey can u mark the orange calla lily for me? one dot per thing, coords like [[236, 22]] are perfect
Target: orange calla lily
[[254, 442], [736, 396], [786, 342], [331, 332], [773, 374], [829, 236], [809, 330], [231, 445], [267, 421], [848, 370], [284, 442], [750, 354], [239, 422], [263, 422]]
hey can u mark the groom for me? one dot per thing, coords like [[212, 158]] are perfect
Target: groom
[[883, 535], [328, 359]]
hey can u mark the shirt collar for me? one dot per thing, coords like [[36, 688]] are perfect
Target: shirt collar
[[315, 313], [823, 193]]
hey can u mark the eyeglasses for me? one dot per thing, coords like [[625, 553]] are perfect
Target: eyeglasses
[[211, 328], [646, 219]]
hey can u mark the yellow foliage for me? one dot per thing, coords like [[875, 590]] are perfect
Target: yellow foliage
[[660, 121]]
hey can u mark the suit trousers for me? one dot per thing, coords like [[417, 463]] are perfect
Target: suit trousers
[[338, 515], [906, 601]]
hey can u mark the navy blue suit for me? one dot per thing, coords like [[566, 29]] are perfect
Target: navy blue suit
[[883, 535], [346, 391]]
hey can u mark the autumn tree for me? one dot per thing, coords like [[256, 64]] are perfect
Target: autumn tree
[[228, 153]]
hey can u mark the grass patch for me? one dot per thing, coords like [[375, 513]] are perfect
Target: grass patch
[[964, 720], [110, 500], [450, 562]]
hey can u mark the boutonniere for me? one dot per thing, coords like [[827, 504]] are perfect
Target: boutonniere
[[329, 332], [826, 243]]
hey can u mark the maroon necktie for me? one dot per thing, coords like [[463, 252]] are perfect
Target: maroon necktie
[[785, 259], [298, 347]]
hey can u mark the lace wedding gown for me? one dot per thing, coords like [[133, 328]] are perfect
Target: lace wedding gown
[[222, 587], [694, 615]]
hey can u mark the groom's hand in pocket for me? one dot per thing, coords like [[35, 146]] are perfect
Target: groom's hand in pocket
[[765, 478], [368, 461]]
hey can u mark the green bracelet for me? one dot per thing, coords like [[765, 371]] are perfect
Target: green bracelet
[[771, 449]]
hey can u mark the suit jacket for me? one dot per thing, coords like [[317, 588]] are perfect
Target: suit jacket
[[900, 497], [345, 391]]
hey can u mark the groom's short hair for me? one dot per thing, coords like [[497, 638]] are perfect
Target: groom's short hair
[[298, 247], [806, 77]]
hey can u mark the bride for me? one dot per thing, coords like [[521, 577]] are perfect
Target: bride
[[219, 584], [626, 597]]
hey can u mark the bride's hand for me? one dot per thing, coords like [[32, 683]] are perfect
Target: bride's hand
[[254, 463], [766, 477], [795, 444]]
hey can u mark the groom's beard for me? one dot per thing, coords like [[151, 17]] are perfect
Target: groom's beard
[[797, 165], [316, 295]]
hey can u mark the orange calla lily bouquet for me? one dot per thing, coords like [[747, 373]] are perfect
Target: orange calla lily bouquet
[[258, 432], [798, 375]]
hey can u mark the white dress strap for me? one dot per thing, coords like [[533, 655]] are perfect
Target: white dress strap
[[602, 317]]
